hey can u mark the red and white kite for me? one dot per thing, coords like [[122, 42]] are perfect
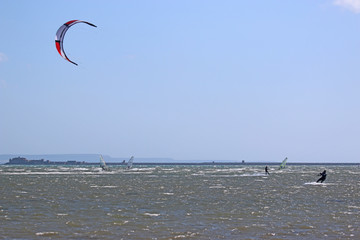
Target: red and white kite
[[60, 34]]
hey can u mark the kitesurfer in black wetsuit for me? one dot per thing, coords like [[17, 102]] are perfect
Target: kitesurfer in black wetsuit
[[323, 176], [266, 171]]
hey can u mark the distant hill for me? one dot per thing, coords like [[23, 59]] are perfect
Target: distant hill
[[4, 158]]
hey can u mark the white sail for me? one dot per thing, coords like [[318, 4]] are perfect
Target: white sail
[[130, 162], [283, 164], [103, 164]]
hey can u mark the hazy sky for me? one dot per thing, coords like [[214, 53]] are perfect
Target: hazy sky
[[192, 80]]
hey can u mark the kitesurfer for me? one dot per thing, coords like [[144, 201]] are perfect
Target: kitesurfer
[[266, 171], [323, 176]]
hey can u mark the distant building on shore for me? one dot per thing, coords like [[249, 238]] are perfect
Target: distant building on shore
[[24, 161], [18, 160]]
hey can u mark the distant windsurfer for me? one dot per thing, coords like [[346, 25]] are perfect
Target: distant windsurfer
[[266, 171], [323, 176]]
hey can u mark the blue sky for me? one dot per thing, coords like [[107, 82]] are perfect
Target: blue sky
[[190, 80]]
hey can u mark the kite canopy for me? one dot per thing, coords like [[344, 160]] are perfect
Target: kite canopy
[[60, 34]]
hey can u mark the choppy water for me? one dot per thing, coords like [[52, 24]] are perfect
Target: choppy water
[[172, 202]]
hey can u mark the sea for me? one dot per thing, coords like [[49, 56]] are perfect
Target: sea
[[179, 202]]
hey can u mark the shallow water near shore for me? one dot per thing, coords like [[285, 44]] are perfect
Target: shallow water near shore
[[171, 202]]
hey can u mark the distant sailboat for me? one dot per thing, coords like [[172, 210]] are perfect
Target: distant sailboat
[[103, 164], [283, 164], [130, 163]]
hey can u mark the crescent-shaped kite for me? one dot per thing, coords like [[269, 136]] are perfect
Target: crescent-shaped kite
[[60, 34]]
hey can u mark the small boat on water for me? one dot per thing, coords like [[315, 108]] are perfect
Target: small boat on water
[[103, 164], [283, 164], [130, 163]]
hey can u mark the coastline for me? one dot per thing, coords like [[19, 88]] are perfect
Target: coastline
[[185, 164]]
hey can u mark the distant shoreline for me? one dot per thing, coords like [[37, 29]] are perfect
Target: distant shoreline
[[170, 162], [181, 164], [93, 159]]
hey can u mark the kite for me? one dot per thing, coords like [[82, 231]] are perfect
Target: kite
[[60, 34]]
